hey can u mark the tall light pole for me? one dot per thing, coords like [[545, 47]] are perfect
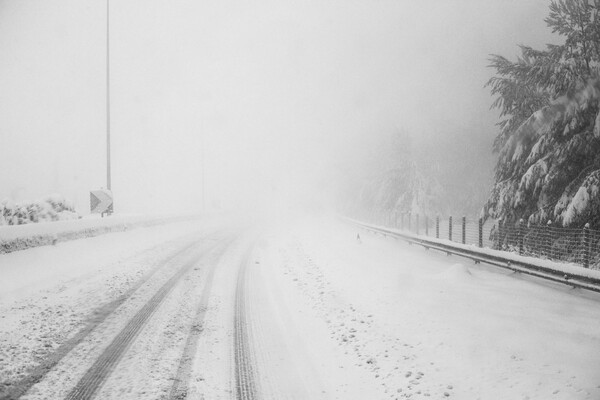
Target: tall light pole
[[202, 164], [108, 171]]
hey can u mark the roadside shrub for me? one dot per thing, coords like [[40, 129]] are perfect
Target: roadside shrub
[[49, 208]]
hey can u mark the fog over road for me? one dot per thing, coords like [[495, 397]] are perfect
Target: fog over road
[[221, 309]]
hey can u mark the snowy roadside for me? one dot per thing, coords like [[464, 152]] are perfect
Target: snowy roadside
[[21, 237], [571, 269], [49, 294], [424, 325]]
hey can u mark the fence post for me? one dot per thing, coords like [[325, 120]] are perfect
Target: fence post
[[437, 227], [450, 228], [464, 230], [426, 226], [521, 236], [586, 245], [549, 238], [480, 232], [500, 234], [417, 224]]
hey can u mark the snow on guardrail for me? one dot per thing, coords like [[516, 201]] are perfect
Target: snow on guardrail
[[566, 273]]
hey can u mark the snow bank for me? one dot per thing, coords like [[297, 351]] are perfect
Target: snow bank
[[570, 269], [21, 237], [426, 328], [455, 273]]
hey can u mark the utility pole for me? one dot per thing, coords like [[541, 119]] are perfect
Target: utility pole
[[202, 153], [108, 166]]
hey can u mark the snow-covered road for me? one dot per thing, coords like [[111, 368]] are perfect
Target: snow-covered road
[[213, 309]]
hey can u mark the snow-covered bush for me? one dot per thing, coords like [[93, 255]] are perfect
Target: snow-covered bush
[[50, 208]]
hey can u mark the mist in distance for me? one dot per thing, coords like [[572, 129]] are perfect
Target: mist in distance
[[276, 100]]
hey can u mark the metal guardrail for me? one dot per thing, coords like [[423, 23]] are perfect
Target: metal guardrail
[[555, 275]]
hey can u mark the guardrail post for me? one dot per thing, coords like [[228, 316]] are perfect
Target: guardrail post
[[450, 228], [417, 224], [586, 245], [521, 236], [480, 232], [464, 229], [426, 226], [409, 221], [437, 227]]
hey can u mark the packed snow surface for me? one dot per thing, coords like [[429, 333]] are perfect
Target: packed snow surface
[[427, 325], [332, 313]]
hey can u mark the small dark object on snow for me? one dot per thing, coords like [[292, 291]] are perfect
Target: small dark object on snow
[[358, 238]]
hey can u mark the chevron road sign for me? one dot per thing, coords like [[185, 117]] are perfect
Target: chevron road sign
[[101, 201]]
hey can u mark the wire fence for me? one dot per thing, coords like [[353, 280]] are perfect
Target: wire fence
[[575, 245]]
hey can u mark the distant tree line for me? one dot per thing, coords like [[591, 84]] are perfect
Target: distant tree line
[[396, 174]]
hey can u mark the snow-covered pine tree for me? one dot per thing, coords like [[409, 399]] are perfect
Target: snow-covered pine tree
[[391, 182], [549, 139]]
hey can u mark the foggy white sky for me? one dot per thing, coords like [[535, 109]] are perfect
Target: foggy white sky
[[279, 90]]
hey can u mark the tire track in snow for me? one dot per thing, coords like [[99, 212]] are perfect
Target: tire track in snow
[[99, 315], [245, 374], [179, 389], [96, 375]]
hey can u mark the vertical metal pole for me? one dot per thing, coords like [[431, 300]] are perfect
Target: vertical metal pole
[[464, 230], [426, 226], [586, 245], [500, 233], [480, 232], [521, 235], [417, 224], [549, 238], [437, 227], [450, 228], [108, 166], [202, 153], [409, 220]]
